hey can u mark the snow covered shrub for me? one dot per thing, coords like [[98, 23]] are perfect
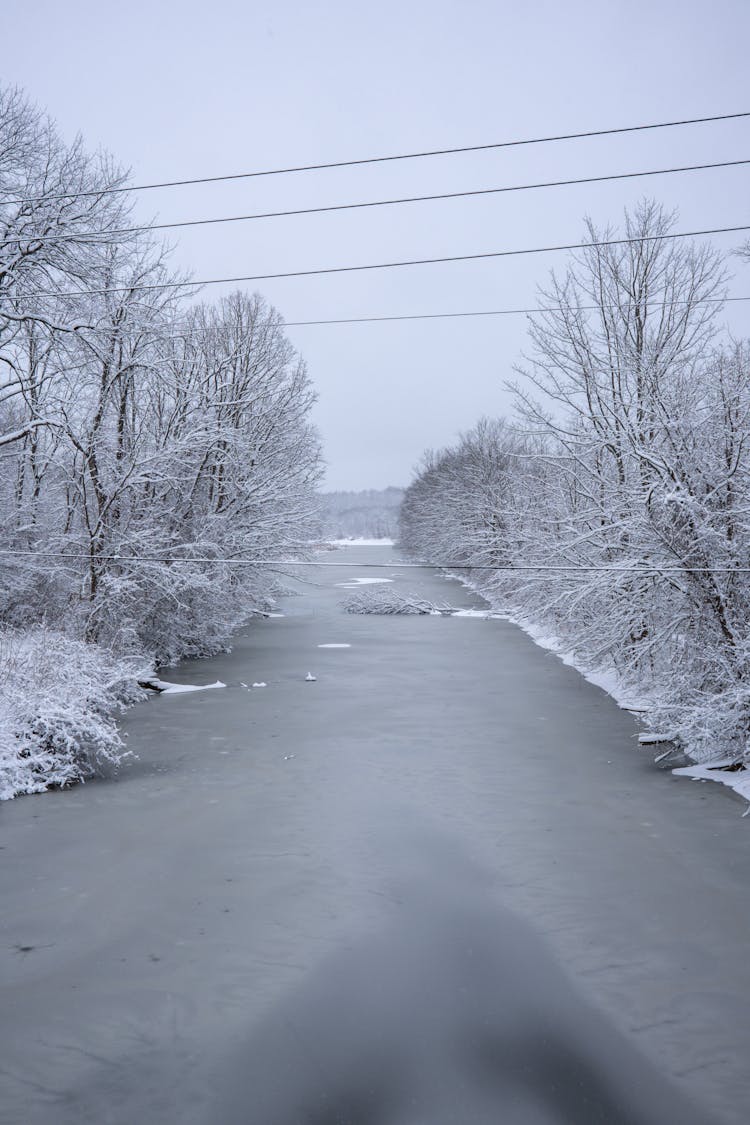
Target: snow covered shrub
[[187, 610], [58, 697]]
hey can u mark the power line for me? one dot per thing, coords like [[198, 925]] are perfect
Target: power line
[[494, 312], [92, 236], [373, 265], [625, 571], [531, 311], [390, 158]]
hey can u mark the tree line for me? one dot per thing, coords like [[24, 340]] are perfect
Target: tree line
[[368, 514], [617, 494], [145, 435]]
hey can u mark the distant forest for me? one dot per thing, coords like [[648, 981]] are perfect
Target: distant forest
[[371, 514]]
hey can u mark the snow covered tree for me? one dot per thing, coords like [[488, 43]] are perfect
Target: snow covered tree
[[151, 448], [625, 509]]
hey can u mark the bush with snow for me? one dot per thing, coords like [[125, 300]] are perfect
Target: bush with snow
[[58, 698]]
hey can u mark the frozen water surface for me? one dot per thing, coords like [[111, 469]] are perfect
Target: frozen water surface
[[443, 886]]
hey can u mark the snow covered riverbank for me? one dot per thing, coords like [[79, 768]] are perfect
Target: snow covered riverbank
[[725, 771], [59, 702]]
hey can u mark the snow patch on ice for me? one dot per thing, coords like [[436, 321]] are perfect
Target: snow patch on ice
[[737, 780], [360, 542], [260, 683], [484, 614], [335, 646], [166, 688], [354, 583]]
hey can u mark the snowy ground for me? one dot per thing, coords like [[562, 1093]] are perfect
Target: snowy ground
[[154, 924]]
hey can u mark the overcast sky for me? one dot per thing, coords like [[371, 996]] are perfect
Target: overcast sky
[[182, 89]]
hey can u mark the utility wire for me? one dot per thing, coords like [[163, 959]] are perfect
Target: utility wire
[[493, 312], [389, 158], [537, 310], [373, 265], [605, 568], [92, 236]]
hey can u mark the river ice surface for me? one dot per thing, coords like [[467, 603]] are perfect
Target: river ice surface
[[445, 874]]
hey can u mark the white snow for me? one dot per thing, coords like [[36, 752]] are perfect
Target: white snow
[[58, 700], [260, 683], [167, 688], [360, 542], [335, 646], [354, 583], [484, 614], [277, 615], [737, 780]]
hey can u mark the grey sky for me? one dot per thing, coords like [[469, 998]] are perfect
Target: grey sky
[[189, 89]]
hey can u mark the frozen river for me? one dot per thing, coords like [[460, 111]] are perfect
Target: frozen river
[[292, 907]]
